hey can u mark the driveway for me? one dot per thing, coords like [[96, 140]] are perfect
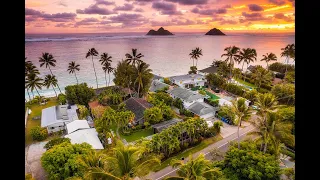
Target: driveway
[[32, 161]]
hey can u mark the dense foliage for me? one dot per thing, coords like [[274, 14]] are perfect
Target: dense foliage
[[226, 112], [251, 95], [177, 102], [193, 70], [167, 81], [261, 76], [186, 112], [285, 93], [290, 77], [158, 97], [234, 89], [214, 102], [62, 98], [56, 141], [83, 112], [280, 67], [38, 133], [153, 115], [215, 80], [111, 96], [249, 163], [79, 94], [62, 161]]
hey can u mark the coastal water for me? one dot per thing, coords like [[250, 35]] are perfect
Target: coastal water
[[167, 55]]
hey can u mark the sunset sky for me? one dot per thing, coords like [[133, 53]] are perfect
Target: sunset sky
[[93, 16]]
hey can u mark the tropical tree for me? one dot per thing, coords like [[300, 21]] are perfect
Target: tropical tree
[[72, 68], [141, 70], [237, 73], [232, 55], [198, 168], [93, 52], [193, 70], [50, 80], [288, 52], [269, 57], [266, 103], [34, 82], [261, 75], [29, 69], [247, 55], [195, 54], [123, 74], [153, 115], [134, 57], [123, 162], [285, 93], [106, 65], [48, 60], [242, 112]]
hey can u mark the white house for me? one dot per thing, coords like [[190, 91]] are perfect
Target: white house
[[89, 135], [188, 80], [187, 96], [76, 125], [203, 110], [55, 118]]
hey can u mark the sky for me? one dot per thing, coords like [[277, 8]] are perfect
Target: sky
[[113, 16]]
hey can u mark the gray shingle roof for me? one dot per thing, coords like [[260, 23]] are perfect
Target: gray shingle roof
[[157, 85], [185, 94], [165, 124], [211, 69], [186, 77], [137, 106], [201, 108], [156, 77]]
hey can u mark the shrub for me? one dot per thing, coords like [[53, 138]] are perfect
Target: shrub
[[62, 98], [280, 75], [290, 77], [185, 112], [280, 67], [157, 97], [285, 93], [167, 81], [38, 133], [266, 86], [79, 94], [217, 125], [29, 177], [193, 70], [202, 92], [234, 89], [177, 102], [56, 141], [146, 124], [262, 90], [167, 112], [153, 115], [215, 80], [214, 102], [251, 95], [83, 112]]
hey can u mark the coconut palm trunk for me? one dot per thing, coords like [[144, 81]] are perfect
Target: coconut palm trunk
[[76, 77], [54, 91], [192, 62], [239, 136], [28, 94], [265, 147], [105, 77], [109, 79], [94, 71], [38, 92], [53, 75], [197, 63]]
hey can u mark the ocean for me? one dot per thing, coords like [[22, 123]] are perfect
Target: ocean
[[167, 55]]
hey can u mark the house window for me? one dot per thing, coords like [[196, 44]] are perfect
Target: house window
[[51, 127]]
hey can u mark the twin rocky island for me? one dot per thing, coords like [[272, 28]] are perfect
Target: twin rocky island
[[162, 32]]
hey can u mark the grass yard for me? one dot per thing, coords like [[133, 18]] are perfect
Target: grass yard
[[205, 143], [246, 83], [138, 135], [36, 111], [212, 96]]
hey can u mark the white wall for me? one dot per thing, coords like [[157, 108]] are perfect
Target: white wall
[[56, 127]]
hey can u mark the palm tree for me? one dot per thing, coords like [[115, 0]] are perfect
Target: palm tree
[[247, 55], [242, 112], [93, 52], [232, 55], [106, 65], [261, 75], [237, 73], [123, 162], [266, 103], [134, 57], [195, 54], [50, 80], [141, 70], [269, 57], [30, 69], [198, 168], [48, 60], [72, 68], [288, 52], [34, 82]]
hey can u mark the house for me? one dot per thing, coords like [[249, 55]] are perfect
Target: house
[[187, 96], [250, 69], [76, 125], [212, 69], [137, 106], [55, 118], [203, 110], [157, 128], [157, 85], [159, 78], [188, 80], [88, 135]]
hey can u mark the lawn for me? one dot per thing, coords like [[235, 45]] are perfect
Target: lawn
[[205, 143], [36, 111], [246, 83], [138, 135], [212, 96]]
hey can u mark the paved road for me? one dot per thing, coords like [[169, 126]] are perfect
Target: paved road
[[221, 145]]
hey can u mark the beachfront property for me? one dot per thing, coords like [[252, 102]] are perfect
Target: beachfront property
[[187, 96], [212, 69], [87, 135], [188, 80], [55, 118], [137, 106], [203, 110], [157, 85], [157, 128]]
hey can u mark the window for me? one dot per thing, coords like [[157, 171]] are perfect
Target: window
[[51, 127]]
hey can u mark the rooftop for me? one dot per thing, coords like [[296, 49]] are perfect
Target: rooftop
[[185, 94], [89, 136], [60, 113], [211, 69], [76, 125], [157, 85], [165, 124], [201, 108], [157, 77], [137, 106], [187, 77]]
